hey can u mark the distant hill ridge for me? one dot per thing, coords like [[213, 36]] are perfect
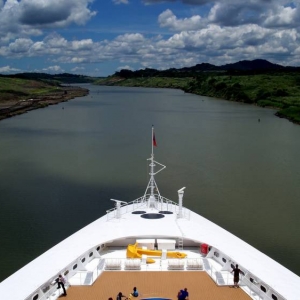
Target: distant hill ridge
[[256, 65], [62, 77], [247, 65], [259, 65]]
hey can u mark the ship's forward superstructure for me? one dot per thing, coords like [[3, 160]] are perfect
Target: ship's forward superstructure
[[152, 233]]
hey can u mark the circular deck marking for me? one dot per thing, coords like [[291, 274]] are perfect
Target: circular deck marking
[[152, 216], [138, 212], [165, 212]]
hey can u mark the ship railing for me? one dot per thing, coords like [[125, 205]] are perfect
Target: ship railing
[[165, 204], [161, 203], [253, 289], [81, 277], [225, 278], [52, 293], [126, 207], [90, 274]]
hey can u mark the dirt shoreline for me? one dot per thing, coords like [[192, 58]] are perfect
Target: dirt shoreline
[[12, 108]]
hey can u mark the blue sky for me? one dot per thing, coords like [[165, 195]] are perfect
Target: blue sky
[[98, 38]]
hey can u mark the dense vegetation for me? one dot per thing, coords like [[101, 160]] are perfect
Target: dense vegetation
[[278, 90]]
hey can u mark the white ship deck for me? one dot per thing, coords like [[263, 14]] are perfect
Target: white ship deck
[[110, 230]]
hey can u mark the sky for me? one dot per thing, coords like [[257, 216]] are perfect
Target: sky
[[101, 37]]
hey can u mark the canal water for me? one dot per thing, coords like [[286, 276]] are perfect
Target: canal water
[[60, 166]]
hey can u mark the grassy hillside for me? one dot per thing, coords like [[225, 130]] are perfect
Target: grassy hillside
[[278, 90], [19, 95], [13, 89]]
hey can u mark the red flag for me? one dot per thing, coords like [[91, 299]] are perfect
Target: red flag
[[154, 140]]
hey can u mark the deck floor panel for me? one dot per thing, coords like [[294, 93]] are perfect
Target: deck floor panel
[[155, 284]]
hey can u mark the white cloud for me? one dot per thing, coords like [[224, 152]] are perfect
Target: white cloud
[[204, 2], [8, 69], [76, 60], [227, 31], [77, 69], [282, 17], [82, 45], [20, 45], [55, 41], [169, 20], [197, 2], [124, 68], [53, 69], [54, 12], [30, 17], [38, 47], [130, 37], [120, 1], [214, 44]]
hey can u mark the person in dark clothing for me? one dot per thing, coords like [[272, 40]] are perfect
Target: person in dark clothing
[[236, 276], [61, 281], [183, 294], [120, 295]]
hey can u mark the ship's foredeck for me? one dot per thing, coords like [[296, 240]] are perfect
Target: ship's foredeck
[[152, 280], [155, 284]]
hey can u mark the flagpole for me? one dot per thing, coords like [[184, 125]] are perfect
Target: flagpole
[[152, 165], [152, 140]]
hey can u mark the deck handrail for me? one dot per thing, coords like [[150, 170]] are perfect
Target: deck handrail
[[54, 293], [160, 203], [250, 288]]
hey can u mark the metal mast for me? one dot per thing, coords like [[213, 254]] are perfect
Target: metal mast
[[152, 186]]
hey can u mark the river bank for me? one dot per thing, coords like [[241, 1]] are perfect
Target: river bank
[[11, 107], [280, 91]]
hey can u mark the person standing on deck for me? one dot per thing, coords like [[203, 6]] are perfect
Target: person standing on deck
[[236, 276], [61, 281]]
